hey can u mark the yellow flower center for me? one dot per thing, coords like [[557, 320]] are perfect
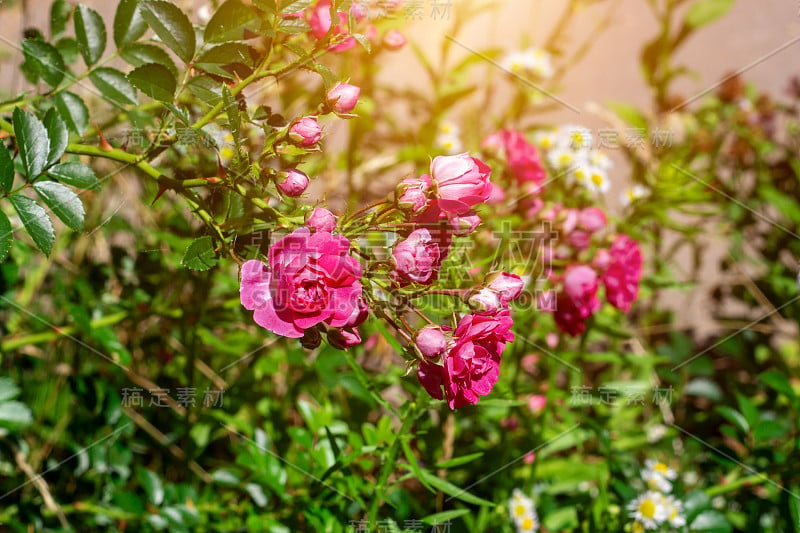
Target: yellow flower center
[[527, 523], [661, 468], [580, 174], [520, 510], [637, 527], [565, 159], [648, 509], [546, 143], [597, 179]]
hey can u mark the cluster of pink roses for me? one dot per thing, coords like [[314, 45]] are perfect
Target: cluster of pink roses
[[321, 23]]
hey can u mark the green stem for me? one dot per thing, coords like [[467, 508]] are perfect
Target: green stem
[[755, 479], [56, 333]]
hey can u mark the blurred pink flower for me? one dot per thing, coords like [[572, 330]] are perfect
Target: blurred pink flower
[[578, 301], [460, 182], [536, 403], [394, 40], [624, 272], [310, 279], [592, 219]]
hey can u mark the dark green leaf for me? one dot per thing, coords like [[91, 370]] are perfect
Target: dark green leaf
[[15, 415], [767, 430], [205, 88], [452, 490], [74, 174], [114, 86], [91, 34], [444, 517], [154, 80], [152, 485], [267, 6], [59, 16], [58, 134], [32, 142], [73, 111], [695, 502], [225, 59], [129, 24], [36, 222], [706, 11], [778, 382], [6, 168], [43, 59], [139, 54], [458, 461], [233, 21], [68, 48], [64, 203], [172, 26], [735, 417], [6, 236], [200, 254], [710, 522]]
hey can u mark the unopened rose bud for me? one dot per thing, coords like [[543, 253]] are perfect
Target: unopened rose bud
[[394, 40], [485, 301], [465, 224], [292, 182], [412, 194], [311, 339], [508, 286], [344, 338], [305, 132], [343, 97], [431, 342], [321, 220]]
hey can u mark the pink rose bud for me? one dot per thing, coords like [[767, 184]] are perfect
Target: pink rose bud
[[294, 182], [465, 224], [493, 145], [431, 342], [305, 132], [412, 194], [579, 239], [508, 286], [592, 219], [484, 301], [529, 362], [510, 423], [529, 458], [358, 11], [580, 282], [343, 97], [416, 258], [311, 339], [321, 220], [551, 339], [601, 260], [394, 40], [496, 195], [536, 403], [344, 338], [461, 182]]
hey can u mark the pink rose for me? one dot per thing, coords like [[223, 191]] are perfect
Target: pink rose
[[592, 219], [412, 193], [310, 279], [465, 224], [601, 261], [321, 220], [305, 132], [485, 301], [344, 338], [579, 239], [431, 342], [623, 274], [343, 97], [320, 22], [416, 258], [578, 301], [394, 40], [496, 195], [472, 365], [536, 403], [461, 182], [508, 286], [523, 159], [292, 182]]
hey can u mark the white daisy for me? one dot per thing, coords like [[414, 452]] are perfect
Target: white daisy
[[528, 524], [631, 194], [447, 127], [600, 159], [546, 140], [520, 506], [562, 158], [675, 515], [598, 181], [661, 468], [578, 137], [449, 143], [648, 509]]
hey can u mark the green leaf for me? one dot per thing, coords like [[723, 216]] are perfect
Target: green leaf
[[36, 222], [452, 490], [91, 34], [200, 254], [444, 517], [139, 54], [767, 430], [15, 415], [226, 59], [705, 388], [6, 168], [707, 11], [233, 21], [114, 86], [75, 174], [232, 110], [710, 522], [43, 59], [73, 111], [293, 6], [735, 417], [778, 382], [458, 461], [6, 236], [562, 519], [205, 88], [695, 502], [68, 48], [257, 493], [32, 142], [154, 80], [60, 12], [8, 389], [63, 202], [172, 26], [58, 134], [129, 24], [293, 25], [152, 485], [748, 409]]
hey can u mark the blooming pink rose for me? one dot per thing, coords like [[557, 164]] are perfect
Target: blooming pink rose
[[523, 159], [394, 40], [508, 286], [343, 97], [431, 342], [305, 132], [416, 258], [472, 365], [412, 193], [592, 219], [623, 274], [310, 279], [292, 182], [461, 182], [321, 220]]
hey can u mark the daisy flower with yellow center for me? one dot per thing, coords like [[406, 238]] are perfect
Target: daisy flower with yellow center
[[546, 140], [598, 181], [631, 194], [648, 509]]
